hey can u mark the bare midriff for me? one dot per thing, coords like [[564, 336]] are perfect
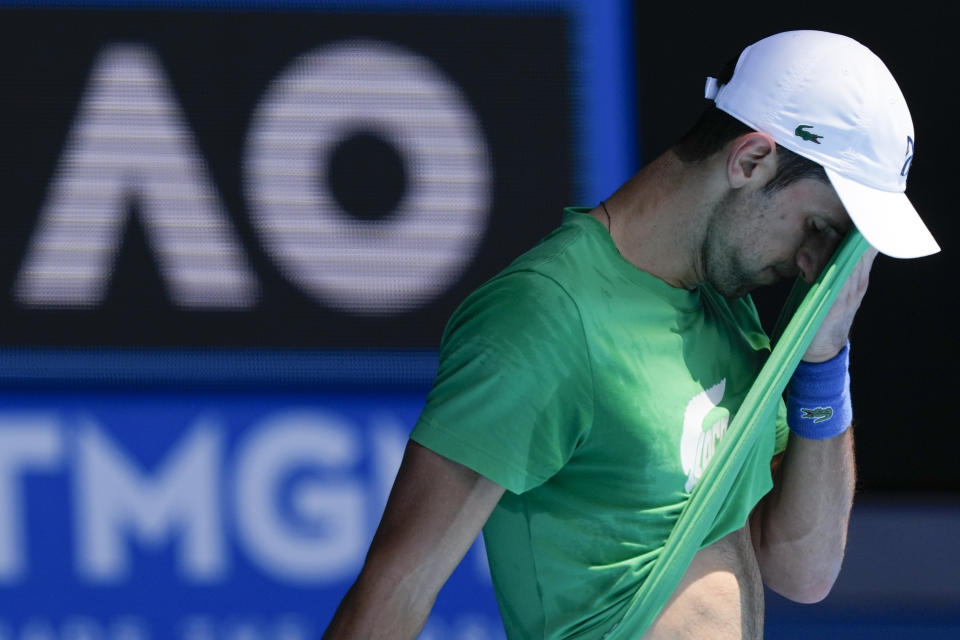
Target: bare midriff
[[720, 596]]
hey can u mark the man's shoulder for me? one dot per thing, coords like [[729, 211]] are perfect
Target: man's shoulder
[[516, 299], [558, 249]]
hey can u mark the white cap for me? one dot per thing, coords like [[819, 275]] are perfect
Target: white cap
[[828, 98]]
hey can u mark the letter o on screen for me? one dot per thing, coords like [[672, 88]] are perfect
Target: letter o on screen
[[381, 266]]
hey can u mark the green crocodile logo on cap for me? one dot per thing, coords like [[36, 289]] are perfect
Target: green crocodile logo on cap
[[820, 414], [806, 135]]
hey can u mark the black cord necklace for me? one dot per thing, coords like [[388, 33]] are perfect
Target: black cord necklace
[[609, 222]]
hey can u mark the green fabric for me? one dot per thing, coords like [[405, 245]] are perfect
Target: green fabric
[[745, 431], [595, 393]]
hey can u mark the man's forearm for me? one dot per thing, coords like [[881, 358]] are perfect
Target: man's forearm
[[801, 527], [374, 611]]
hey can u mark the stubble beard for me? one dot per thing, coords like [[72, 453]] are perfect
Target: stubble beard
[[722, 253]]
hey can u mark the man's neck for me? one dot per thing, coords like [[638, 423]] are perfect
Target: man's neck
[[658, 218]]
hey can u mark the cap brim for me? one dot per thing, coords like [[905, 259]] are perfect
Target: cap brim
[[885, 218]]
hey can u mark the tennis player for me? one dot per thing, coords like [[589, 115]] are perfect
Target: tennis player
[[582, 391]]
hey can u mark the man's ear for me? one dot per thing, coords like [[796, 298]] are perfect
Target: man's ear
[[752, 160]]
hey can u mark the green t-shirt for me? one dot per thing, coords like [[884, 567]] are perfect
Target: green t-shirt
[[596, 394]]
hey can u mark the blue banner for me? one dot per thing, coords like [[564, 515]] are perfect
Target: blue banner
[[201, 516]]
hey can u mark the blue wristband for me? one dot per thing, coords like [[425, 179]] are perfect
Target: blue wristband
[[818, 397]]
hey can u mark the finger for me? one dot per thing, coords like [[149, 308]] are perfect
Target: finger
[[835, 329], [855, 287]]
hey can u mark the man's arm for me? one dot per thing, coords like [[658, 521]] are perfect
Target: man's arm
[[800, 528], [436, 510]]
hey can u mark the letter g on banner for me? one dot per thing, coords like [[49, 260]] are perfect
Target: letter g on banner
[[385, 265], [300, 528]]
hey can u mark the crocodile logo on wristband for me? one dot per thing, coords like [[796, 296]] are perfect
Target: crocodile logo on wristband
[[820, 414]]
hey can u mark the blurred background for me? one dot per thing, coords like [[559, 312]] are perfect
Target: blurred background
[[232, 233]]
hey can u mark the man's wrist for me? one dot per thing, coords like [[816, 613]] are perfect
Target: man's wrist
[[818, 397]]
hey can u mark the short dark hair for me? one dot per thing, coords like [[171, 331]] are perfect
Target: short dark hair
[[715, 128]]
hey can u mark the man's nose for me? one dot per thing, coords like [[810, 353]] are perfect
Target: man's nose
[[814, 254]]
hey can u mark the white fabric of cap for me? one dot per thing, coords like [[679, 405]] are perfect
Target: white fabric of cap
[[828, 98]]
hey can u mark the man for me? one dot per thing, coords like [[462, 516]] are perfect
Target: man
[[583, 390]]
